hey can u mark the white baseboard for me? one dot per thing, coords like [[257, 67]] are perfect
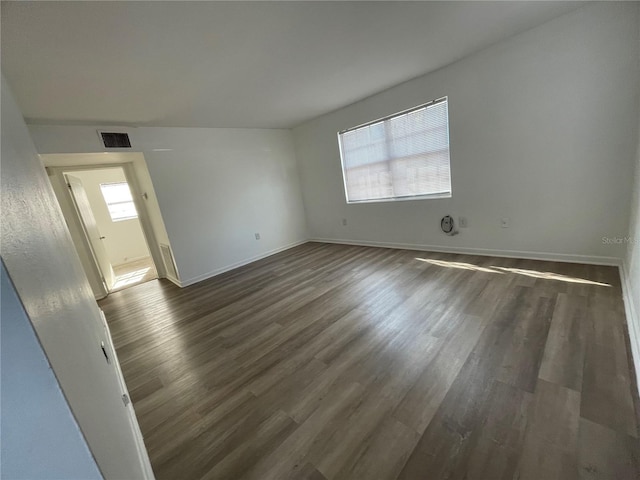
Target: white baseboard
[[173, 280], [633, 321], [199, 278], [130, 260], [556, 257]]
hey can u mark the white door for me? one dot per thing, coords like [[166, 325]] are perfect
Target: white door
[[83, 207]]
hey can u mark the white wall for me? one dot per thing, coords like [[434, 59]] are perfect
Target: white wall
[[40, 437], [542, 130], [632, 263], [124, 240], [216, 188], [40, 258]]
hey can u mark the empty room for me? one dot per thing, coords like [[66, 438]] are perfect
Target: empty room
[[320, 240]]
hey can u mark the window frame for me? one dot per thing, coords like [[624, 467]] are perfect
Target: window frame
[[132, 202], [403, 198]]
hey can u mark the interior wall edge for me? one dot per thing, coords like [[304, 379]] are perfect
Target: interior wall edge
[[633, 321]]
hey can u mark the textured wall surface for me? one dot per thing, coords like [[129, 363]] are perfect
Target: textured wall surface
[[40, 437], [44, 266]]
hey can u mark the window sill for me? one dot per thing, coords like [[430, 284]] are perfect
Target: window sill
[[403, 199]]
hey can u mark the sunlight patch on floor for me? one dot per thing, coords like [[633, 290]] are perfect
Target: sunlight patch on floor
[[131, 277], [551, 276], [518, 271], [460, 265]]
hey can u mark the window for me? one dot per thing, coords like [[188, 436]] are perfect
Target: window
[[403, 156], [119, 201]]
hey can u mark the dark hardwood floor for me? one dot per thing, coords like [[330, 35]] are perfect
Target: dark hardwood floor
[[345, 362]]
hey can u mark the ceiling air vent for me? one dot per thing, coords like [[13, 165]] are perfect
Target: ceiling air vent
[[115, 140]]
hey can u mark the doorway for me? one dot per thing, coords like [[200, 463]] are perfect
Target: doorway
[[103, 203]]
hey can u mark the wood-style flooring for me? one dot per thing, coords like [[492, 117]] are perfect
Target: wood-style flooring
[[346, 362]]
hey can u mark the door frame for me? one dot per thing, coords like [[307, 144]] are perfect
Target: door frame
[[57, 174]]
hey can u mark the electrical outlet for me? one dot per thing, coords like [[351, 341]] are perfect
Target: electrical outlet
[[462, 222], [504, 222], [257, 236], [344, 222]]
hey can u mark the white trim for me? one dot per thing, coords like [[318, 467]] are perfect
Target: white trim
[[174, 280], [557, 257], [218, 271], [144, 217], [169, 262], [633, 321], [143, 454], [427, 196], [132, 260]]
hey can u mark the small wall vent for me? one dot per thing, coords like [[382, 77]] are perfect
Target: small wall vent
[[115, 140], [169, 263]]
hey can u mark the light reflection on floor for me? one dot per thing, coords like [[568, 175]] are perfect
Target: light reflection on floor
[[133, 273], [130, 278], [460, 265], [518, 271]]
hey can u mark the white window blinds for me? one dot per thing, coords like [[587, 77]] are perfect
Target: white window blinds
[[402, 156]]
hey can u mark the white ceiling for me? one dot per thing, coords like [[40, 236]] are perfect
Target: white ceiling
[[235, 64]]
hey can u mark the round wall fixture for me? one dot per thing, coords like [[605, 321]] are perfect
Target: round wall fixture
[[447, 225]]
